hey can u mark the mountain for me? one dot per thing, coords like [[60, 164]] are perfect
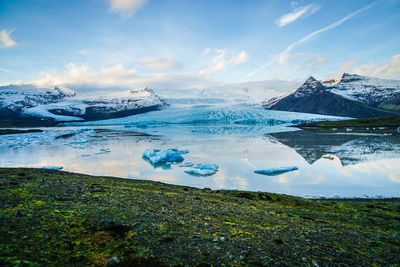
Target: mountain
[[27, 105], [353, 96]]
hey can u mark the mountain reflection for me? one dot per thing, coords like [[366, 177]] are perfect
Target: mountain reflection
[[349, 148]]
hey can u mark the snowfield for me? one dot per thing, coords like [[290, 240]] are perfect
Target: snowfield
[[366, 89]]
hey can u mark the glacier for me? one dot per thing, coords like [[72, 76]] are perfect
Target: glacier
[[222, 114]]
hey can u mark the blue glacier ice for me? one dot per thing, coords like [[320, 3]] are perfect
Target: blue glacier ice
[[207, 166], [156, 156], [276, 171], [200, 172], [203, 169], [238, 114], [186, 164], [52, 167]]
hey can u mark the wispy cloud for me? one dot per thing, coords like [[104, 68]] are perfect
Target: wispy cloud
[[222, 59], [389, 70], [345, 67], [126, 8], [6, 40], [158, 63], [83, 52], [299, 60], [306, 38], [297, 13]]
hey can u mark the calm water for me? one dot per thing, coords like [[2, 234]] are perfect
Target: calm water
[[365, 165]]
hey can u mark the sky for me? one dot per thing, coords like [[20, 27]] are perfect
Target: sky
[[195, 44]]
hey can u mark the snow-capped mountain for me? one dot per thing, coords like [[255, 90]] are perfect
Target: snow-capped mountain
[[365, 89], [43, 106], [352, 96]]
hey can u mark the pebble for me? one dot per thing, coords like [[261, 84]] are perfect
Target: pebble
[[113, 261]]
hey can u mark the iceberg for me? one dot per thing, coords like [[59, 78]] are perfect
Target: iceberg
[[52, 167], [200, 172], [186, 164], [276, 171], [156, 156], [179, 151], [203, 169], [207, 166]]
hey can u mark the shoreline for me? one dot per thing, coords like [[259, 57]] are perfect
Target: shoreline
[[53, 217], [210, 189]]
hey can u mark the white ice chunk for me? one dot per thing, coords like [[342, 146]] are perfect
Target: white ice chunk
[[207, 166], [156, 156], [276, 171]]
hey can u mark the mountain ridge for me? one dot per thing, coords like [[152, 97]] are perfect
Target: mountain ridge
[[33, 106], [353, 96]]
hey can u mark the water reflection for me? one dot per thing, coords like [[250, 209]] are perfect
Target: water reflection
[[349, 148], [353, 165]]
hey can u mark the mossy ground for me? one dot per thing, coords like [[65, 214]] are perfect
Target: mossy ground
[[58, 218], [377, 125]]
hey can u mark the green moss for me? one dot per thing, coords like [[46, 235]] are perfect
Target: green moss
[[380, 125], [57, 218]]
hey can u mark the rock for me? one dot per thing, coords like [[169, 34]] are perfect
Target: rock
[[19, 213], [113, 261]]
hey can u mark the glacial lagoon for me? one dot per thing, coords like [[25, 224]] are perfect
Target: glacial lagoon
[[329, 165]]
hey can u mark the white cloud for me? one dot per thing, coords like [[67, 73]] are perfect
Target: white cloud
[[126, 8], [300, 60], [306, 38], [222, 59], [157, 63], [345, 67], [116, 76], [6, 40], [83, 52], [389, 70], [239, 58], [297, 13]]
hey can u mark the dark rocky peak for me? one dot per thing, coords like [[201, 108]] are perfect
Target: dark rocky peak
[[310, 86], [347, 77]]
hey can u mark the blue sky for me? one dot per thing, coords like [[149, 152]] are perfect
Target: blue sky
[[191, 43]]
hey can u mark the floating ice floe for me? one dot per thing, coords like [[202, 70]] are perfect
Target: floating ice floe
[[156, 156], [186, 164], [203, 169], [53, 167], [185, 151], [276, 171]]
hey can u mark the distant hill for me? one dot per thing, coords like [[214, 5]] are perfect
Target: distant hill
[[353, 96]]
